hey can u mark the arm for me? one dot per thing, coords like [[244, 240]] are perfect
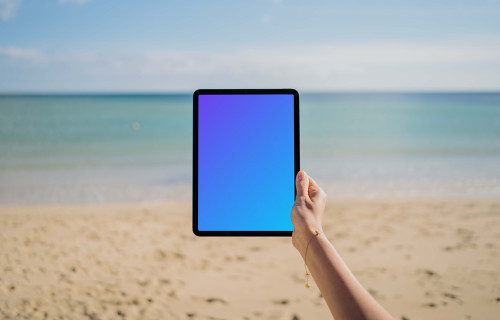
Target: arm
[[344, 295]]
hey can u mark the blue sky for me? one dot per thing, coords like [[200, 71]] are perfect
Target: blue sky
[[80, 46]]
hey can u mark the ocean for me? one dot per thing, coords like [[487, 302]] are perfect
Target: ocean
[[111, 148]]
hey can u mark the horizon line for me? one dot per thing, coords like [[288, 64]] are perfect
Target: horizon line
[[185, 92]]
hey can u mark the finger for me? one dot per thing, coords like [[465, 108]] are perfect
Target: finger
[[313, 184], [314, 189], [302, 185]]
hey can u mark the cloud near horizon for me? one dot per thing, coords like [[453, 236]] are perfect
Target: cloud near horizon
[[466, 65]]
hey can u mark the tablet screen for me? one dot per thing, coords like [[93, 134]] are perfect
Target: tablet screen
[[246, 163]]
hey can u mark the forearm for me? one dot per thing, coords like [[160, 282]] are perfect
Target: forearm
[[344, 295]]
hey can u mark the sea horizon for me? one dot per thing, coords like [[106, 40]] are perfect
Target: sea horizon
[[181, 92]]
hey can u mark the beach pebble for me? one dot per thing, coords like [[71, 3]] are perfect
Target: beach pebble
[[212, 300]]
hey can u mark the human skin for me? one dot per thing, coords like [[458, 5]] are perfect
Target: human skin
[[345, 296]]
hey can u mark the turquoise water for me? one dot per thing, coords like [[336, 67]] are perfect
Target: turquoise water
[[120, 148]]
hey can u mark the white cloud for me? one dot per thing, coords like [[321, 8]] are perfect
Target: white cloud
[[471, 64], [8, 9], [315, 66], [24, 55]]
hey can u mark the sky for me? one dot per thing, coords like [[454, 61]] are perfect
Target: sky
[[179, 46]]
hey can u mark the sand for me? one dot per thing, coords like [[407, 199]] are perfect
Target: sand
[[422, 259]]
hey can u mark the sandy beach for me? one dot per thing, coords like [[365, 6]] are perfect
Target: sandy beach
[[422, 259]]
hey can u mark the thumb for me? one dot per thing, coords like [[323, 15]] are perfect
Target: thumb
[[302, 185]]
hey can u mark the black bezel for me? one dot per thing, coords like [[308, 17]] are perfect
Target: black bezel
[[195, 157]]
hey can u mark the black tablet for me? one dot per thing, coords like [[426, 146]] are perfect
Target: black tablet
[[245, 158]]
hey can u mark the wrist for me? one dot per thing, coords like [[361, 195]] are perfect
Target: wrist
[[301, 237]]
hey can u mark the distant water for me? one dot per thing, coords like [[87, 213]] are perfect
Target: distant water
[[60, 149]]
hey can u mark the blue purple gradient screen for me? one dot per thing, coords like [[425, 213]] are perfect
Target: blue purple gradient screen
[[246, 170]]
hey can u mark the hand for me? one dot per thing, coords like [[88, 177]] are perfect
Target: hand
[[307, 211]]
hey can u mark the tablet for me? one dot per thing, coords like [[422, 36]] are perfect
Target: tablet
[[245, 158]]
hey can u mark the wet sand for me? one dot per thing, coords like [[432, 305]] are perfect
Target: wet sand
[[422, 259]]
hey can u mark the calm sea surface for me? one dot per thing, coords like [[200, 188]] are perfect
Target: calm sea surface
[[137, 148]]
